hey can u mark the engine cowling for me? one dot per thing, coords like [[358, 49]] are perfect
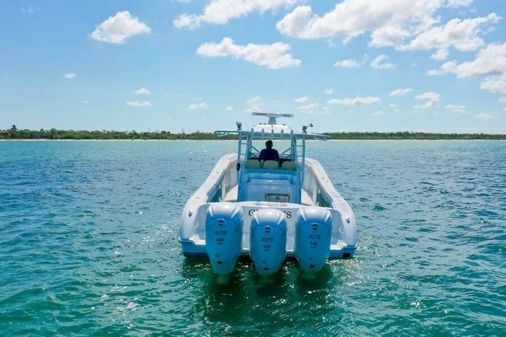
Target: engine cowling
[[223, 236], [312, 238], [268, 240]]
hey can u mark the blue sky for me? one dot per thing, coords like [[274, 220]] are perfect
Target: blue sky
[[352, 65]]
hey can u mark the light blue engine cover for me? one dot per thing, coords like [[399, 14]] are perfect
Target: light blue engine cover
[[312, 238], [268, 240], [223, 236]]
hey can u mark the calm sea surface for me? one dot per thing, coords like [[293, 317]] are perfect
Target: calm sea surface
[[88, 244]]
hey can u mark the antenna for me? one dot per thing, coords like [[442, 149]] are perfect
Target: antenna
[[304, 128], [272, 116]]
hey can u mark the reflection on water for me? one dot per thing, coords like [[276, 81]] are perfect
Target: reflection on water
[[263, 303]]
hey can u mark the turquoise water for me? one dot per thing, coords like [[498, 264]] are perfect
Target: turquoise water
[[88, 244]]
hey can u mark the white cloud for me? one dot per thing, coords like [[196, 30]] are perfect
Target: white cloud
[[28, 10], [459, 3], [70, 76], [308, 108], [254, 104], [440, 55], [388, 36], [494, 84], [348, 63], [118, 28], [489, 65], [229, 108], [380, 63], [502, 100], [458, 109], [401, 92], [328, 91], [272, 56], [221, 11], [139, 104], [378, 113], [304, 105], [434, 72], [303, 99], [445, 68], [461, 34], [354, 101], [254, 100], [198, 106], [485, 116], [388, 21], [142, 91], [431, 100], [186, 21]]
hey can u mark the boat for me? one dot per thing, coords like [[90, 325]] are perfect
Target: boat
[[268, 210]]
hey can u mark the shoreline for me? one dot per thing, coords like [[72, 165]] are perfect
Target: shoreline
[[235, 140], [15, 133]]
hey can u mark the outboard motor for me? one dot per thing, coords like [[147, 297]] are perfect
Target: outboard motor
[[223, 236], [268, 240], [312, 238]]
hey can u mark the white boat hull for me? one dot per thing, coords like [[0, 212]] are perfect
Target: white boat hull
[[317, 192]]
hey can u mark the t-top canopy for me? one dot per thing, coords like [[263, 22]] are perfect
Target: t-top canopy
[[271, 130], [271, 135]]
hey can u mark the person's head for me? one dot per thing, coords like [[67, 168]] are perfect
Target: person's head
[[268, 144]]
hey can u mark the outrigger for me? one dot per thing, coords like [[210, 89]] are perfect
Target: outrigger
[[268, 210]]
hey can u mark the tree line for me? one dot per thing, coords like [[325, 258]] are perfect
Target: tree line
[[15, 133]]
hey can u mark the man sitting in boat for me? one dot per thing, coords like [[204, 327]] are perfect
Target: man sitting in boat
[[269, 153]]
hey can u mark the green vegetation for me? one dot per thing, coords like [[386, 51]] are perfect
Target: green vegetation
[[413, 135], [15, 133]]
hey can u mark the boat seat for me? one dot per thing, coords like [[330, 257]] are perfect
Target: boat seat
[[270, 164], [252, 163], [289, 165]]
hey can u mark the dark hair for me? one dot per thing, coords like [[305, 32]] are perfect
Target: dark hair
[[268, 144]]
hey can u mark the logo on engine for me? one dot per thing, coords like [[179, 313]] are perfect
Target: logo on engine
[[288, 214], [267, 229], [315, 226]]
